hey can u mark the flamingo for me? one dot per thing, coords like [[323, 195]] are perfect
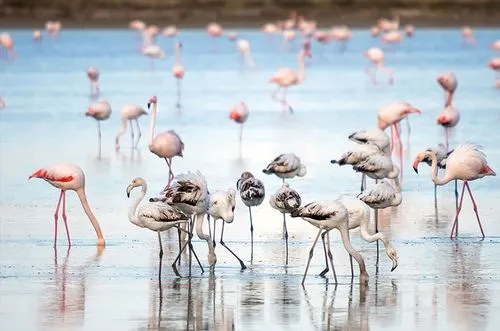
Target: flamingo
[[342, 34], [409, 30], [221, 206], [93, 75], [287, 166], [130, 113], [376, 56], [37, 35], [494, 64], [269, 28], [448, 82], [155, 216], [448, 118], [244, 48], [165, 145], [381, 196], [100, 111], [252, 193], [285, 200], [468, 35], [170, 31], [286, 77], [466, 163], [239, 114], [138, 26], [391, 37], [153, 52], [189, 193], [232, 36], [495, 45], [328, 215], [178, 71], [214, 30], [68, 177], [53, 28], [374, 31], [8, 43]]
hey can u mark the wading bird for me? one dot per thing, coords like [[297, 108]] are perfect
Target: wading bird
[[68, 177], [93, 75], [448, 82], [100, 111], [130, 113]]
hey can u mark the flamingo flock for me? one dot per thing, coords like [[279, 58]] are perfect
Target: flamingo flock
[[186, 203]]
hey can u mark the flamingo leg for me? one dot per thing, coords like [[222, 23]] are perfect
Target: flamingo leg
[[161, 246], [180, 244], [392, 138], [330, 256], [286, 104], [251, 233], [132, 133], [325, 271], [243, 266], [455, 223], [170, 173], [209, 232], [56, 216], [241, 132], [376, 231], [139, 134], [456, 196], [286, 238], [178, 104], [64, 217], [363, 182], [311, 252], [174, 267], [446, 138], [474, 206]]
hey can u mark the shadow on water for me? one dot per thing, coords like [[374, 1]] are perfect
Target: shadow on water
[[63, 307]]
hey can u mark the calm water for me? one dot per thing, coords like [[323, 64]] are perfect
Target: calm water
[[439, 284]]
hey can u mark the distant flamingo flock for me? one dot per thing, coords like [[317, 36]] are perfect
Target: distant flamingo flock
[[185, 199]]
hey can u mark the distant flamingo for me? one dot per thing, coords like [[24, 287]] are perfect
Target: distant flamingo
[[391, 37], [448, 118], [466, 163], [53, 28], [178, 71], [239, 113], [448, 82], [232, 36], [129, 113], [495, 45], [306, 47], [68, 177], [37, 35], [374, 31], [100, 111], [391, 115], [93, 75], [376, 56], [244, 48], [165, 145], [7, 43], [138, 26], [269, 28], [214, 30], [170, 31], [153, 52], [342, 34], [288, 35], [409, 30], [468, 35], [494, 64], [286, 77]]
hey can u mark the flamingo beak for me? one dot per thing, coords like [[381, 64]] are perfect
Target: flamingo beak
[[394, 264], [149, 105], [129, 188], [415, 165], [238, 183]]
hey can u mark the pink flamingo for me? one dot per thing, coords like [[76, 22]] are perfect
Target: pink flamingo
[[494, 64], [495, 45], [232, 36], [37, 35], [466, 163], [342, 34], [68, 177], [374, 31], [178, 71], [468, 35], [165, 145], [270, 28], [392, 37], [409, 30], [100, 111], [170, 31], [93, 75], [239, 113], [376, 56], [244, 48], [286, 77], [448, 82], [53, 28], [129, 113], [8, 43], [448, 118]]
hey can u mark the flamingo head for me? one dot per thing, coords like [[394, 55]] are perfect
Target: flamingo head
[[448, 82], [136, 182], [244, 176], [391, 253], [89, 112], [152, 100], [409, 109], [420, 157]]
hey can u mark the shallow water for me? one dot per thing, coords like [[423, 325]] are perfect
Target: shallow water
[[439, 285]]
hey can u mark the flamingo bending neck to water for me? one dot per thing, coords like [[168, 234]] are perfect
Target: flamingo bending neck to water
[[68, 177], [286, 77], [129, 113]]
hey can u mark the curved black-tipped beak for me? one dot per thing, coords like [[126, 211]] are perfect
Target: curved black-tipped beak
[[149, 105], [333, 161], [238, 183], [394, 265], [416, 169], [128, 194]]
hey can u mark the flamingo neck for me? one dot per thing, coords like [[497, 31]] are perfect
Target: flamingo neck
[[204, 236], [133, 207], [83, 199], [449, 97], [363, 229], [344, 233], [152, 125], [434, 170]]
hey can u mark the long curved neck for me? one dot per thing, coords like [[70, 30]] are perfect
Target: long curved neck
[[152, 124], [90, 215], [363, 229], [203, 236], [302, 68], [346, 240], [434, 171], [133, 207]]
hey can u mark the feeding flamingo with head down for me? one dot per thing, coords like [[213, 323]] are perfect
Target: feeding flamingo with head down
[[68, 177], [376, 56]]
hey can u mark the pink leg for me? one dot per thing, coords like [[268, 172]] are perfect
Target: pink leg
[[170, 173], [56, 216], [474, 206], [392, 138], [64, 218], [446, 138], [458, 212]]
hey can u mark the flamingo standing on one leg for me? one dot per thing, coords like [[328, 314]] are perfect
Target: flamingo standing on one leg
[[68, 177], [244, 48], [376, 56], [252, 193], [165, 145], [448, 82], [153, 52], [326, 216], [130, 113], [100, 111], [8, 43], [448, 118], [178, 71], [239, 113], [286, 77], [466, 163]]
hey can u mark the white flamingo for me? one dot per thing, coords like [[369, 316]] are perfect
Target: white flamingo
[[286, 166], [326, 216], [130, 113], [466, 163], [285, 200], [252, 193]]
